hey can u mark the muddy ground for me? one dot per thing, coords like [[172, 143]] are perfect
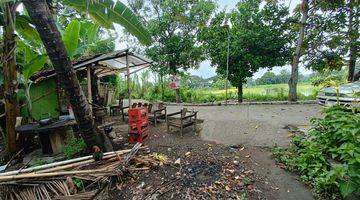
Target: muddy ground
[[227, 158]]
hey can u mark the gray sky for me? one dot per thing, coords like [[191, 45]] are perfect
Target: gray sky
[[206, 70]]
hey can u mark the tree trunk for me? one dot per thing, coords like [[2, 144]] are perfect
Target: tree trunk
[[357, 76], [45, 25], [10, 75], [162, 86], [295, 63], [353, 36], [177, 95], [240, 92]]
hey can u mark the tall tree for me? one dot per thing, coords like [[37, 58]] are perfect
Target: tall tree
[[333, 35], [298, 52], [10, 74], [174, 26], [258, 39], [353, 35], [55, 47]]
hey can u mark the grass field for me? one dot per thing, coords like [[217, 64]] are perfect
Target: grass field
[[276, 92]]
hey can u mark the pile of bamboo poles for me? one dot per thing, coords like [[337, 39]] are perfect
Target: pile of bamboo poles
[[58, 180]]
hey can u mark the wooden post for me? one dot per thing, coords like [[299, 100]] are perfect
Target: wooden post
[[128, 77], [89, 86]]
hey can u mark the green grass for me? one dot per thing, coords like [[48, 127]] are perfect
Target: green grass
[[276, 92]]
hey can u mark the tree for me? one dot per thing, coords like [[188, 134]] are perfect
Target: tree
[[258, 39], [174, 26], [284, 76], [298, 52], [104, 13], [267, 78], [10, 74], [333, 35], [55, 47]]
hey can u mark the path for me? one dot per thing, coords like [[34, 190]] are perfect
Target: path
[[258, 128]]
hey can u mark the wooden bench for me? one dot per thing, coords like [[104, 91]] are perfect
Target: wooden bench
[[186, 119], [157, 114], [119, 109]]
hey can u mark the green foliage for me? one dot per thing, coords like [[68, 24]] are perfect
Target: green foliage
[[277, 92], [75, 147], [174, 26], [326, 76], [78, 183], [221, 84], [255, 28], [39, 162], [30, 60], [283, 77], [107, 12], [71, 37], [331, 34], [328, 157]]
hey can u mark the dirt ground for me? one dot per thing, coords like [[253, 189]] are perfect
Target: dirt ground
[[228, 158]]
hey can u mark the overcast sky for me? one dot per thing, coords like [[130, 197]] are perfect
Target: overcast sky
[[206, 70]]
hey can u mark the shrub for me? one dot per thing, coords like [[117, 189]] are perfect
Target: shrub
[[75, 147], [328, 157]]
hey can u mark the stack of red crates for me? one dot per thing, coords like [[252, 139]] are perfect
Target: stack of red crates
[[138, 124]]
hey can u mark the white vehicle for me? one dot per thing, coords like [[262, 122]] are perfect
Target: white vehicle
[[348, 95]]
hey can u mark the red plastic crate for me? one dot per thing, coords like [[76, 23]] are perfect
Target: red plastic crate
[[138, 124], [134, 138], [138, 114], [139, 132]]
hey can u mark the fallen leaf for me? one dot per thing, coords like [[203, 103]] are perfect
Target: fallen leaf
[[227, 188], [177, 161]]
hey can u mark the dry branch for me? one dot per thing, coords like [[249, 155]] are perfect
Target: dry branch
[[51, 181]]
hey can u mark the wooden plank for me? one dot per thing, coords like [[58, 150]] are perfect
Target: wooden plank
[[57, 140]]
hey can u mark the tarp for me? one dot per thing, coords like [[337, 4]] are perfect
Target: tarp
[[105, 64]]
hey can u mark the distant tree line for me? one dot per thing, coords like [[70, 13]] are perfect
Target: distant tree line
[[283, 77]]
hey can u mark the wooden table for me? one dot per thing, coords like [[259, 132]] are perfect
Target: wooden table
[[51, 136]]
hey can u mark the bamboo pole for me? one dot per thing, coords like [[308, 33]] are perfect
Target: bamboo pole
[[65, 162], [89, 86], [51, 174], [128, 78], [72, 165]]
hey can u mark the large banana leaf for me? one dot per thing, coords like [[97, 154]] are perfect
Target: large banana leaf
[[31, 60], [27, 31], [71, 37], [107, 12], [89, 32]]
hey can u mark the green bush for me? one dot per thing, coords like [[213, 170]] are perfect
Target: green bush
[[75, 147], [328, 157]]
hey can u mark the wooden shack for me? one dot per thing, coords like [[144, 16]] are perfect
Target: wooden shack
[[48, 99]]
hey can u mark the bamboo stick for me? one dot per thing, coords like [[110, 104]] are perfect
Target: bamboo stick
[[72, 165], [51, 174], [55, 164]]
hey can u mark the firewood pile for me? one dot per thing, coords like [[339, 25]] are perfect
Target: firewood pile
[[80, 178]]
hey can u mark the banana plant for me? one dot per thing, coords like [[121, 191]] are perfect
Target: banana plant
[[31, 62], [108, 12]]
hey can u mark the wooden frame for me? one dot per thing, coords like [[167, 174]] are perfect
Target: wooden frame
[[155, 115], [182, 122]]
